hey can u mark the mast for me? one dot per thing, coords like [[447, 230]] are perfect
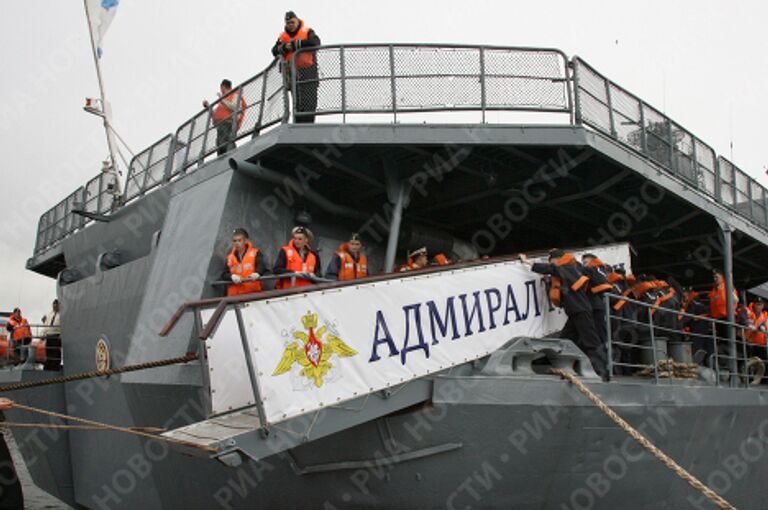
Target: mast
[[106, 110]]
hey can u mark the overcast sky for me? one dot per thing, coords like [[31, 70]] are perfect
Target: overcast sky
[[702, 62]]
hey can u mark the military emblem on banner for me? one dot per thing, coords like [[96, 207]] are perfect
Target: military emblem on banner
[[314, 357]]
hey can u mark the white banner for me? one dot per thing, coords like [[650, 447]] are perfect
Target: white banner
[[319, 349]]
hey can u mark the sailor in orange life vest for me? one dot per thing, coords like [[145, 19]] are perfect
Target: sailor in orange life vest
[[570, 290], [296, 36], [597, 272], [297, 258], [758, 322], [417, 259], [20, 333], [245, 264], [222, 116], [348, 263]]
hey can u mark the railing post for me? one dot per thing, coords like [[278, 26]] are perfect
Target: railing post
[[643, 134], [294, 86], [671, 139], [653, 346], [715, 354], [611, 118], [576, 92], [392, 81], [482, 83], [694, 155], [343, 75], [729, 304], [608, 335], [170, 159], [208, 122], [260, 120], [251, 372]]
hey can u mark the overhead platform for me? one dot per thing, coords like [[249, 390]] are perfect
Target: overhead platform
[[513, 188], [542, 150]]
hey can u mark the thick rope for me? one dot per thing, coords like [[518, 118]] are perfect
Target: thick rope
[[99, 373], [671, 464], [11, 424], [114, 428]]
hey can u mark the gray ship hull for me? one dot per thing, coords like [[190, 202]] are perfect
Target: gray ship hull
[[483, 442]]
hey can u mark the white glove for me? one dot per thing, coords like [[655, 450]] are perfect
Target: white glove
[[237, 278], [254, 276]]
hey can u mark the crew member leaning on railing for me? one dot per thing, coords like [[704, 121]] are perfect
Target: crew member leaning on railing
[[21, 334], [297, 259], [758, 323], [296, 36], [245, 264]]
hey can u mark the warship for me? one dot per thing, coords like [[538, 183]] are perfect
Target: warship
[[422, 390]]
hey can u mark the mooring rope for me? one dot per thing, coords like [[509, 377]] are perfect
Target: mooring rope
[[114, 428], [663, 457], [62, 426], [99, 373]]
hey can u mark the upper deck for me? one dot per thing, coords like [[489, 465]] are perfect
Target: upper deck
[[510, 121]]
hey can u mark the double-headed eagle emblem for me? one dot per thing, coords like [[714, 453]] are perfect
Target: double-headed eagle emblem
[[311, 353]]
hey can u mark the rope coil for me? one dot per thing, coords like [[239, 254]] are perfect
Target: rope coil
[[656, 452]]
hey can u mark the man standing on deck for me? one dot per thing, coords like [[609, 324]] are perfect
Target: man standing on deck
[[222, 117], [52, 336], [348, 263], [571, 285], [598, 273], [20, 333], [245, 264], [297, 258], [296, 36]]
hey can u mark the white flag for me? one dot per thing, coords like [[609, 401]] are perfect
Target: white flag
[[100, 14]]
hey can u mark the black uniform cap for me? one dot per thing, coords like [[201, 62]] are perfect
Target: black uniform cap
[[290, 15]]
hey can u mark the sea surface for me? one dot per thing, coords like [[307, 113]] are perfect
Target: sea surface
[[34, 497]]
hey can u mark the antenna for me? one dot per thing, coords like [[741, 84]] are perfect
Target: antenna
[[730, 127]]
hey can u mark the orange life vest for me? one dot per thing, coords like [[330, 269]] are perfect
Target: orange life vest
[[305, 58], [601, 287], [294, 262], [243, 268], [222, 113], [717, 309], [21, 328], [555, 294], [757, 337], [349, 269]]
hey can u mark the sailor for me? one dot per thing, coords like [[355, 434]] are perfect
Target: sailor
[[758, 319], [417, 259], [221, 115], [52, 321], [297, 257], [598, 272], [296, 36], [697, 330], [717, 303], [570, 290], [52, 335], [348, 263], [245, 265], [21, 334]]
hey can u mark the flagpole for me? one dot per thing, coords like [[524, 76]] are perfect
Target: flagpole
[[105, 108]]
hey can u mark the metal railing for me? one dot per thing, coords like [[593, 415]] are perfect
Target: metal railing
[[647, 335], [396, 79], [35, 348]]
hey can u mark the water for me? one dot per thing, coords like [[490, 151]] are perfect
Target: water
[[34, 497]]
